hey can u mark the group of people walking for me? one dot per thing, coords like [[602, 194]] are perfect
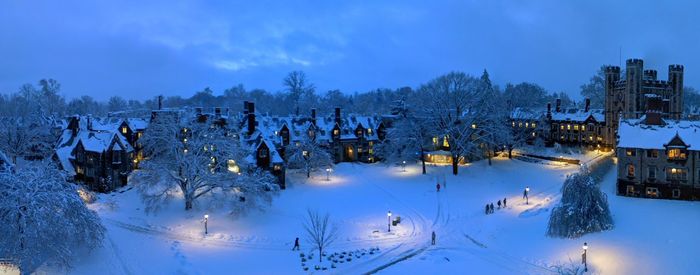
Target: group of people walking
[[490, 209]]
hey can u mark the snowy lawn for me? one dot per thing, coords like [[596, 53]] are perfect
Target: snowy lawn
[[650, 237]]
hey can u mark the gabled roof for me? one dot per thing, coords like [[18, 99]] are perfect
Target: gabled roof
[[578, 115]]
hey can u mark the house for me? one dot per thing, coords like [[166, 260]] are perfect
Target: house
[[659, 158], [576, 127], [94, 151]]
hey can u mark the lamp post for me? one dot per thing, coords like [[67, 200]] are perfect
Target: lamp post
[[583, 257], [206, 219], [328, 174], [403, 166], [527, 193], [388, 216]]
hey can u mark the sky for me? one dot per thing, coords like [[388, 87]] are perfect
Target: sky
[[139, 49]]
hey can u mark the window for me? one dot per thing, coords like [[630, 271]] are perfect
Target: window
[[369, 132], [513, 123], [631, 152], [435, 139], [262, 153], [676, 193], [676, 174], [311, 134], [652, 153], [520, 124], [474, 125], [124, 130], [445, 143], [232, 166], [277, 167], [652, 192], [336, 132], [576, 127], [568, 126], [676, 154], [630, 170], [79, 170], [116, 157], [527, 124], [652, 172], [630, 190], [561, 127], [305, 153], [534, 125], [583, 127]]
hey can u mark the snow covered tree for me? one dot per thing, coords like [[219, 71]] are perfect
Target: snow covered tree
[[408, 135], [595, 89], [319, 231], [457, 107], [308, 155], [43, 220], [25, 136], [583, 208], [193, 160]]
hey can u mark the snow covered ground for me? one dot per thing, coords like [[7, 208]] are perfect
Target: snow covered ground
[[650, 237]]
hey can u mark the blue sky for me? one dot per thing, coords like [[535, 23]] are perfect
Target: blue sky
[[138, 49]]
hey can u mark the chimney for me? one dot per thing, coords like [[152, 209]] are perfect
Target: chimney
[[588, 105], [313, 116], [549, 110], [217, 111], [251, 118], [558, 109], [653, 112], [337, 115], [160, 102], [89, 122], [245, 108]]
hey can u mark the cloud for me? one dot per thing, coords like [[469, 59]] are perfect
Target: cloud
[[140, 49]]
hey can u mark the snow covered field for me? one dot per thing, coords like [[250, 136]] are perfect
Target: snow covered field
[[650, 237]]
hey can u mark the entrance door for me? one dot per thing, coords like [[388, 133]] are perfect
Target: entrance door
[[349, 153]]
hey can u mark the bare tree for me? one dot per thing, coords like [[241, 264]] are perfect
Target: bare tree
[[25, 136], [308, 155], [408, 136], [319, 231], [197, 160], [43, 220], [299, 89]]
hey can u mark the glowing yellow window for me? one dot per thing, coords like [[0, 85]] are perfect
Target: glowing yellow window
[[124, 130], [445, 143], [576, 127], [583, 127], [562, 127], [513, 123], [232, 166], [534, 125], [568, 126], [527, 124]]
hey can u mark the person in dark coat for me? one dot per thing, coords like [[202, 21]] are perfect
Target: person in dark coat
[[433, 243], [438, 187], [504, 203], [487, 209], [499, 204], [296, 244], [491, 207]]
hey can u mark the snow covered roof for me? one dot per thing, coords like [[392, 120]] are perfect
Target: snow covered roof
[[578, 115], [635, 134], [527, 114], [137, 124], [102, 141]]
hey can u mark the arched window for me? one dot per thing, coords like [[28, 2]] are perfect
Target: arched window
[[630, 170]]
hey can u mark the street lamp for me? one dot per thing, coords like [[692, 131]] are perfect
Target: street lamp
[[328, 174], [583, 257], [206, 219], [403, 166], [388, 216], [527, 192]]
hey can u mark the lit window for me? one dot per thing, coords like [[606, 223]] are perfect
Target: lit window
[[676, 174], [630, 170], [335, 132], [520, 124], [568, 126], [277, 167], [305, 153], [676, 154], [473, 126], [583, 127], [435, 139], [232, 166], [124, 130], [445, 143], [534, 125], [527, 124], [561, 127], [631, 152], [513, 123], [369, 132], [576, 127]]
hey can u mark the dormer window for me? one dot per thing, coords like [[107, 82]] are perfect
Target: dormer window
[[124, 130], [369, 132], [676, 154], [262, 153], [631, 153], [336, 132]]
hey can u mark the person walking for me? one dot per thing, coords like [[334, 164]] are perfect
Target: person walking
[[504, 203], [438, 186], [499, 204], [433, 243], [491, 207], [296, 244], [487, 209]]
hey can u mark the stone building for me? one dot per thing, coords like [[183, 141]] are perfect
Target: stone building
[[626, 95], [658, 159]]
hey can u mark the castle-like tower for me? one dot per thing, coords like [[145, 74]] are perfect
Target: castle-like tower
[[626, 97]]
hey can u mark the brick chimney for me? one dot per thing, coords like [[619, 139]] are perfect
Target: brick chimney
[[160, 102], [549, 110], [558, 109], [245, 108], [337, 115], [313, 116], [588, 105], [251, 118]]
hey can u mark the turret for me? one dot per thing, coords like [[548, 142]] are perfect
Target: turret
[[675, 79], [634, 75]]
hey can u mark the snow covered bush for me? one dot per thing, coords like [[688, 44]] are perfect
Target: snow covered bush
[[583, 208], [43, 219], [195, 160]]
